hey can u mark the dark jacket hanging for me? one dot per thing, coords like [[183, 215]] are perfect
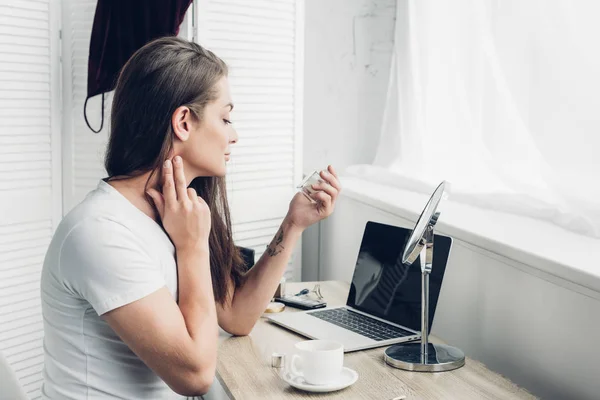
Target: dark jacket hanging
[[120, 28]]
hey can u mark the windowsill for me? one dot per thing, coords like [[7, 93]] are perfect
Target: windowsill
[[535, 246]]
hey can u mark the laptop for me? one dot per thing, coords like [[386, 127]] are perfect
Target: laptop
[[384, 302]]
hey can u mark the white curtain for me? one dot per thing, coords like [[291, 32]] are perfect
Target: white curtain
[[501, 98]]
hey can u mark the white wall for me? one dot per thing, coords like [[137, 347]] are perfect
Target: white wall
[[348, 45], [347, 53]]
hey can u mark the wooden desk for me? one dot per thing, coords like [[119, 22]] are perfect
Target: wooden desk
[[244, 368]]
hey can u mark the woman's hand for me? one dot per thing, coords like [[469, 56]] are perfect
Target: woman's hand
[[302, 213], [184, 215]]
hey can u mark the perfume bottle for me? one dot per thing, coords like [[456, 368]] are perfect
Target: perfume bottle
[[306, 185]]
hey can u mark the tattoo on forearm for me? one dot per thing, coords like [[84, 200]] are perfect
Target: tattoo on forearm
[[276, 247]]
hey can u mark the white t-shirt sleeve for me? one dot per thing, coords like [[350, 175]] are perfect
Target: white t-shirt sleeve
[[103, 262]]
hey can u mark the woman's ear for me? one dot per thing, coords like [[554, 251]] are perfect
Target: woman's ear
[[181, 120]]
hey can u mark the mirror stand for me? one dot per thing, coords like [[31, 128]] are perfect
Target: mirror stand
[[425, 356]]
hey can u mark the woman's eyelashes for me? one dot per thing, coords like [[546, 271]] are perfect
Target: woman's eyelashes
[[227, 122]]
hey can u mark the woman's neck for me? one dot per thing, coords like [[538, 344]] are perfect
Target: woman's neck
[[134, 190]]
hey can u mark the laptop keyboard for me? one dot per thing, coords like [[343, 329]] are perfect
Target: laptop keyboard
[[361, 324]]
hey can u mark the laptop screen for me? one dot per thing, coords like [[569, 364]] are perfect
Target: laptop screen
[[382, 286]]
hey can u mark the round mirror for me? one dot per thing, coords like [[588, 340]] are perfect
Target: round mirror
[[416, 241]]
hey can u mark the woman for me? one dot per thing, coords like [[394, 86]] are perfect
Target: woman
[[139, 276]]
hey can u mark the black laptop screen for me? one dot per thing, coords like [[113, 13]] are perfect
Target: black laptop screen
[[383, 287]]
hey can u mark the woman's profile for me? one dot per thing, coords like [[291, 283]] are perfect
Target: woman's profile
[[140, 275]]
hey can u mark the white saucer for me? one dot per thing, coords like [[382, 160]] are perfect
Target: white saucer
[[347, 378]]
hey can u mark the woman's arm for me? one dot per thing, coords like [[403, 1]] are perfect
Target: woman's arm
[[179, 343], [247, 303]]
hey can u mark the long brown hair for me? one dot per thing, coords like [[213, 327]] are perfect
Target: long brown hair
[[160, 77]]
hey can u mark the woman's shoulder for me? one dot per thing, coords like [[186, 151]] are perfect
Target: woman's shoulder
[[100, 214], [86, 228], [98, 208], [106, 217], [87, 233]]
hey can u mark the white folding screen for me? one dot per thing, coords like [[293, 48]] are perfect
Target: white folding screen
[[30, 176], [262, 43], [83, 150]]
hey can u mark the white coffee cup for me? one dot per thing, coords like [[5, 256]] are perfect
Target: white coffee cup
[[319, 361]]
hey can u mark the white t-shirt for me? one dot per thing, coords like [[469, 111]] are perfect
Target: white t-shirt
[[106, 253]]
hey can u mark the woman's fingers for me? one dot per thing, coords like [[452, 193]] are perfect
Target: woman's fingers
[[324, 199], [192, 195], [330, 185], [330, 176], [327, 188], [168, 189], [180, 182], [332, 170]]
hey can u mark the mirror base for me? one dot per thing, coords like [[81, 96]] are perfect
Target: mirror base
[[440, 358]]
